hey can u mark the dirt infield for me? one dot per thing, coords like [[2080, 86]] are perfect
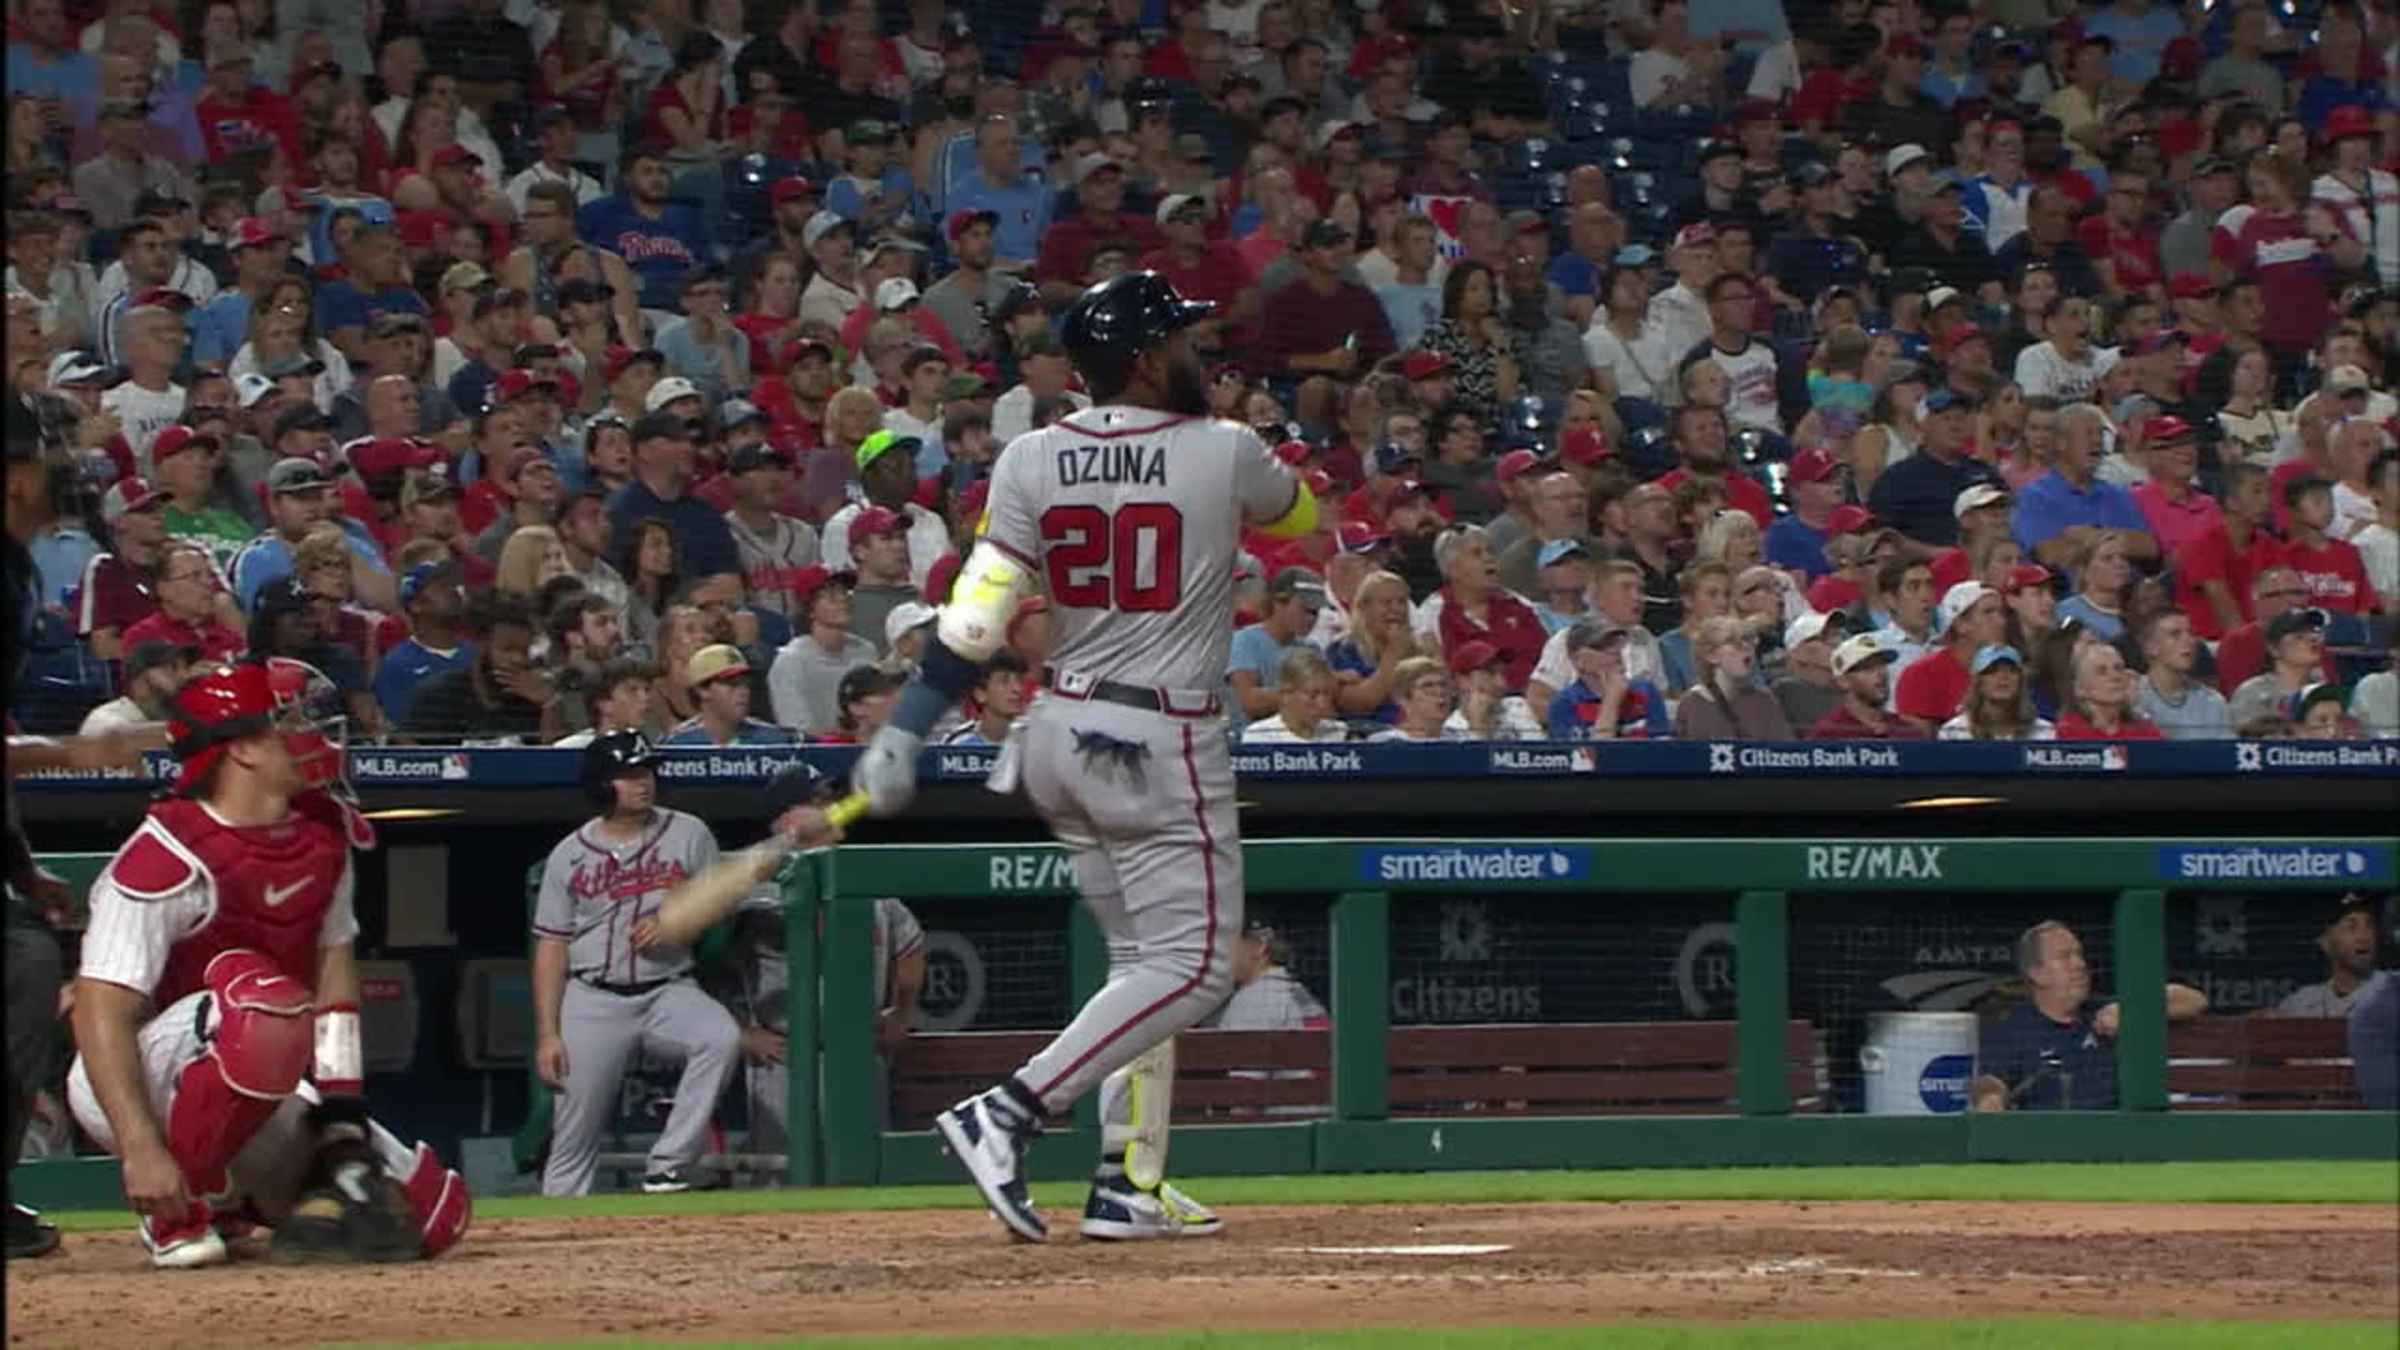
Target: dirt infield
[[951, 1271]]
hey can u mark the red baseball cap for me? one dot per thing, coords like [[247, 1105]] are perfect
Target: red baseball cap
[[517, 461], [2166, 430], [516, 384], [1584, 445], [2192, 286], [960, 219], [2346, 121], [1474, 654], [1360, 536], [128, 496], [1421, 364], [811, 579], [1693, 236], [1811, 464], [374, 456], [791, 188], [251, 232], [164, 298], [1849, 520], [1513, 464], [2023, 575], [872, 521], [455, 154], [176, 439], [422, 229], [622, 356]]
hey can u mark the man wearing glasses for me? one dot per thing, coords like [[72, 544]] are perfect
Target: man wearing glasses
[[187, 616]]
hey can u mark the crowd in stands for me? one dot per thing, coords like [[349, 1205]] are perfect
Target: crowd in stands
[[2012, 369]]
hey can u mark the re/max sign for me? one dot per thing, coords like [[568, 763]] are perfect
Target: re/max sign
[[1875, 862]]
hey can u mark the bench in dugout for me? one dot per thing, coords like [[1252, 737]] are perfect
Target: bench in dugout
[[1587, 1068], [2261, 1064]]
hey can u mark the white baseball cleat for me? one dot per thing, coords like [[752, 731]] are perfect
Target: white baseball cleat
[[188, 1244], [1119, 1211], [994, 1156]]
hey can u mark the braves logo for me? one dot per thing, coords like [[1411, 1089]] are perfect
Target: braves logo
[[606, 879]]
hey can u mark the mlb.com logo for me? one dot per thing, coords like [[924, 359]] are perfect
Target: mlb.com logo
[[455, 768], [1474, 862]]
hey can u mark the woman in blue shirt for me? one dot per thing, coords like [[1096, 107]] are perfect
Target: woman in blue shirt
[[1380, 639], [2103, 583]]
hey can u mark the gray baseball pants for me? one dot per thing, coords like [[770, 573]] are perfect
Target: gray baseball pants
[[602, 1032], [1143, 802]]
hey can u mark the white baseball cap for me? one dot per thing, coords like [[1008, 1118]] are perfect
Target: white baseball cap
[[895, 292], [1901, 156], [1940, 296], [905, 617], [1808, 627], [1175, 202], [1956, 601], [822, 224], [668, 390], [1977, 496], [1857, 651], [252, 387]]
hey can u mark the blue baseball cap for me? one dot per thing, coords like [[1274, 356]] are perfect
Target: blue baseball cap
[[422, 575], [1944, 399], [1558, 549], [1635, 255], [1989, 657], [1391, 457]]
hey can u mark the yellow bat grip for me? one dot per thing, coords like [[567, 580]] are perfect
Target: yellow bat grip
[[846, 812]]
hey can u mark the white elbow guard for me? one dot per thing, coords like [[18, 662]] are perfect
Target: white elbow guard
[[983, 600]]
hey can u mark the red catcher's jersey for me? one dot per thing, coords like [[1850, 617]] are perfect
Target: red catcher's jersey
[[270, 886]]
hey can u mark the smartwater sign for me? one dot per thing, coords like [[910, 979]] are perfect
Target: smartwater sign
[[2344, 863], [1468, 864]]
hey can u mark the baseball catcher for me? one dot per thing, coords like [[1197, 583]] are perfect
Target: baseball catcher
[[217, 1004]]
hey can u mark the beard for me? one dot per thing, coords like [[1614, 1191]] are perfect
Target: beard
[[1187, 385]]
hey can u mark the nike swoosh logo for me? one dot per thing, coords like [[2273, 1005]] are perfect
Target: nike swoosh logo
[[276, 895]]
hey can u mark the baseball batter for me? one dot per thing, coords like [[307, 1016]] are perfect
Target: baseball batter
[[602, 989], [1127, 514], [217, 1003]]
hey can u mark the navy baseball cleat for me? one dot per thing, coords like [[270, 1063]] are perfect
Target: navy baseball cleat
[[989, 1138], [1119, 1211]]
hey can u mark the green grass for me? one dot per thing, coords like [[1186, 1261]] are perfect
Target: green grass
[[2046, 1333], [2162, 1183]]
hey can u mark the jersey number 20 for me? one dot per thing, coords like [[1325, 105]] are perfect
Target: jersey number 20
[[1130, 561]]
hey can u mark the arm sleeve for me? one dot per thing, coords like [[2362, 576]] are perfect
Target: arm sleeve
[[341, 921], [553, 908], [127, 940]]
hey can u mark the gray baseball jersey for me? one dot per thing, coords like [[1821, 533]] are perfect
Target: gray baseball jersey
[[1131, 517], [1275, 1001], [594, 891]]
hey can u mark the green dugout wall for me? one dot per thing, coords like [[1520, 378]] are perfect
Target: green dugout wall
[[1363, 875]]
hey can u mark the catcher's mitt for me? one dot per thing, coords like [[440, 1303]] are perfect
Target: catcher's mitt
[[349, 1211]]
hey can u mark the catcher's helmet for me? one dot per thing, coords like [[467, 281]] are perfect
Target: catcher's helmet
[[1117, 320], [229, 702], [610, 757], [796, 784]]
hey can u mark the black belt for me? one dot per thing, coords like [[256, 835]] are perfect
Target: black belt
[[1139, 696], [635, 990]]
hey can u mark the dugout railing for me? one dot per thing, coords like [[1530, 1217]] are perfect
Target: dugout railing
[[837, 1111]]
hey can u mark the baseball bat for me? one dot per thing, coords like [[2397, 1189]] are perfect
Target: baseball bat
[[691, 908]]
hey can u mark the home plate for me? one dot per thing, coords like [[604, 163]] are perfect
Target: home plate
[[1422, 1249]]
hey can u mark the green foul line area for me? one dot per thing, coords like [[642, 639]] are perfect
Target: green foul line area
[[2313, 1183], [1992, 1334]]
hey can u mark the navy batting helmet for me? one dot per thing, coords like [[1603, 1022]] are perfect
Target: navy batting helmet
[[611, 756], [1117, 320]]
